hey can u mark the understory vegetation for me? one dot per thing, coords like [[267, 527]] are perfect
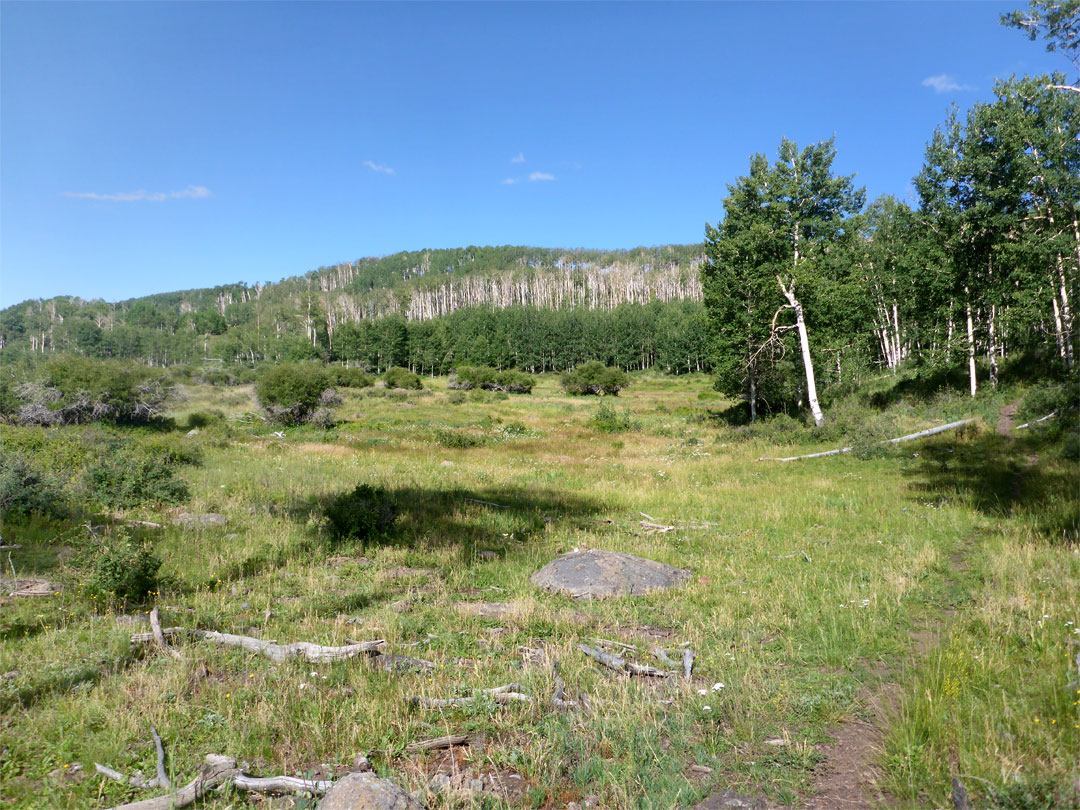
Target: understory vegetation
[[944, 572]]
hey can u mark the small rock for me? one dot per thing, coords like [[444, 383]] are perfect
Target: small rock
[[72, 772], [360, 764], [231, 536], [365, 791], [702, 769], [245, 605], [439, 783], [729, 800], [487, 554], [193, 432]]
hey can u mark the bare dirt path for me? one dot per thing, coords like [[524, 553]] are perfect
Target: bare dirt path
[[1007, 418]]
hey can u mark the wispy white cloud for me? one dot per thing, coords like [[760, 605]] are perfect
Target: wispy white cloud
[[519, 159], [945, 83], [535, 176], [509, 181], [189, 193], [375, 167]]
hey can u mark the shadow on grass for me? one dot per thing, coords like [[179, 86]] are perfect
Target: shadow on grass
[[1004, 477], [497, 518]]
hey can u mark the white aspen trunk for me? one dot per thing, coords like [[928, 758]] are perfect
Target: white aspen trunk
[[948, 337], [808, 363], [1066, 314], [993, 347], [971, 348], [897, 356], [1058, 333]]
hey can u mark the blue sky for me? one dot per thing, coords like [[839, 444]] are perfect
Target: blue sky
[[149, 147]]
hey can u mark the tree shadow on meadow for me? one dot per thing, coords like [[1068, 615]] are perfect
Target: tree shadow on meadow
[[1004, 477], [497, 519]]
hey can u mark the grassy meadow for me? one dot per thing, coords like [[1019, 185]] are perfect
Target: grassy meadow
[[944, 574]]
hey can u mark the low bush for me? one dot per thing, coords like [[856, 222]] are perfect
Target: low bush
[[608, 420], [123, 568], [365, 514], [459, 439], [120, 480], [350, 378], [201, 419], [290, 392], [26, 490], [76, 390], [594, 378], [398, 377], [490, 379]]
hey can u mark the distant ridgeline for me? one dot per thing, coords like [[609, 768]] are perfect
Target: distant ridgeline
[[533, 308]]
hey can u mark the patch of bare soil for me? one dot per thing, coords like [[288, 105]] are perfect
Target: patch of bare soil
[[1007, 418]]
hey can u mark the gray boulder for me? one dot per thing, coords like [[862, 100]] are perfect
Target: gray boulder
[[597, 574], [366, 791]]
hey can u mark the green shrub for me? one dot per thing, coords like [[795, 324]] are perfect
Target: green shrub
[[455, 397], [398, 377], [365, 514], [120, 480], [459, 439], [291, 391], [350, 378], [201, 419], [608, 420], [594, 378], [511, 382], [26, 491], [76, 390], [123, 568]]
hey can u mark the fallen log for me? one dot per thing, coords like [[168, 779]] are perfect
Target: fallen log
[[316, 653], [279, 784], [508, 693], [1037, 421], [159, 637], [922, 434], [162, 777], [620, 664], [438, 742], [688, 663]]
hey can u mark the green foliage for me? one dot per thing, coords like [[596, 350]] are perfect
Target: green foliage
[[1034, 794], [594, 378], [291, 391], [607, 419], [490, 379], [74, 390], [459, 439], [349, 377], [123, 568], [366, 514], [398, 377], [123, 479], [26, 490]]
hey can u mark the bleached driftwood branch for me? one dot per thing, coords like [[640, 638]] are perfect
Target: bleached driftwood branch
[[509, 693], [899, 439], [688, 663], [438, 742], [620, 664], [316, 653], [1029, 424], [159, 636], [162, 777], [215, 771]]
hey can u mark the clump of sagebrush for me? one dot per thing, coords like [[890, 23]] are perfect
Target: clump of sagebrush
[[459, 439], [490, 379], [607, 419], [398, 377], [122, 568], [76, 390], [27, 491], [365, 514], [291, 393], [594, 378]]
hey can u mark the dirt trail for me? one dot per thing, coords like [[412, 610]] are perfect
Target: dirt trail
[[1007, 418]]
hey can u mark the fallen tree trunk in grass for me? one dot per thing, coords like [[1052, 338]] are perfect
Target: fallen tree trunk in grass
[[922, 434], [1037, 421], [620, 664], [316, 653], [219, 770]]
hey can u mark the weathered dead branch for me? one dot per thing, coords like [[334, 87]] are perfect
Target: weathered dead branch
[[218, 770], [620, 664], [159, 636], [899, 439], [661, 655], [438, 742], [1037, 421], [688, 663], [508, 693], [162, 777]]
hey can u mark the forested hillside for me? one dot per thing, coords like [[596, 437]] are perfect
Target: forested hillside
[[534, 308]]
